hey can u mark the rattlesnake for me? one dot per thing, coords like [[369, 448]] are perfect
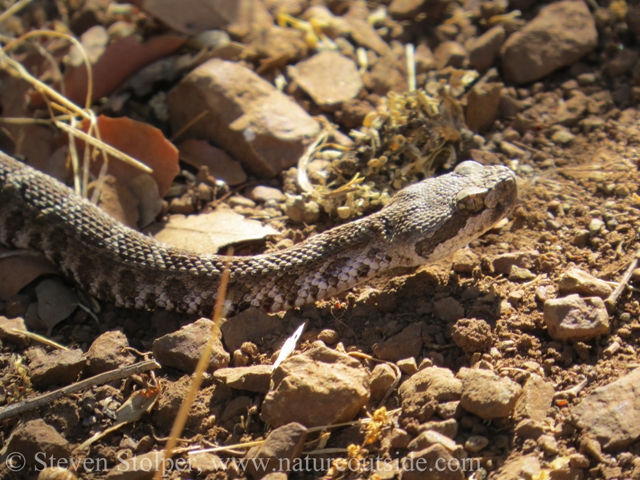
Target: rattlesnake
[[422, 223]]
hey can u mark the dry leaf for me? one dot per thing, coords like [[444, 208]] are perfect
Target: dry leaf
[[221, 166], [136, 405], [56, 302], [141, 141], [119, 61], [210, 232], [18, 271]]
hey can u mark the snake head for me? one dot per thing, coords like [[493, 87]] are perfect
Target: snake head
[[437, 216]]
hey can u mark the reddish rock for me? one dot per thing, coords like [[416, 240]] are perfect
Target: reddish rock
[[575, 318], [559, 36], [247, 116], [329, 78], [483, 51], [318, 387], [182, 349]]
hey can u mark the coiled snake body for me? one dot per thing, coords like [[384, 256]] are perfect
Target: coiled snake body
[[422, 224]]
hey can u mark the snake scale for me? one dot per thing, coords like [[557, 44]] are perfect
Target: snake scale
[[422, 223]]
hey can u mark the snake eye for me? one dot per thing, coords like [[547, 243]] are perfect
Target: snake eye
[[472, 199]]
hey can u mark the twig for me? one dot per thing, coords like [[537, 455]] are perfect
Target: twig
[[611, 301], [573, 391], [106, 377]]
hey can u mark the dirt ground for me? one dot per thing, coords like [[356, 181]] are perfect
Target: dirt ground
[[488, 309]]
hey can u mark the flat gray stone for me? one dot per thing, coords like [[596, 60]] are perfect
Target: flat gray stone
[[576, 318], [612, 413]]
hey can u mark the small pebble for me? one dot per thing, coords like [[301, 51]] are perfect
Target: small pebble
[[476, 443]]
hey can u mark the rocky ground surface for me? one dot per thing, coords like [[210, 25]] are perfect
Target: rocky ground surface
[[519, 354]]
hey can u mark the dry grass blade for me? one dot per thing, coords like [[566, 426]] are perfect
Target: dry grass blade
[[57, 101], [13, 9], [203, 363]]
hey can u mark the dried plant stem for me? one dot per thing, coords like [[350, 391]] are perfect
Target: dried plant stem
[[30, 404], [203, 363]]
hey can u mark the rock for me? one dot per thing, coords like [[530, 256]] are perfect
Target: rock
[[483, 51], [559, 36], [623, 62], [405, 344], [278, 452], [583, 283], [422, 392], [205, 463], [263, 194], [328, 336], [562, 137], [182, 349], [476, 443], [448, 309], [36, 437], [251, 325], [353, 113], [14, 331], [536, 398], [472, 335], [408, 365], [510, 150], [448, 428], [416, 465], [486, 394], [575, 318], [388, 74], [595, 226], [247, 116], [300, 211], [285, 44], [318, 387], [329, 78], [140, 467], [255, 378], [450, 54], [571, 111], [109, 352], [382, 377], [451, 410], [529, 428], [611, 413], [522, 468], [517, 274], [366, 36], [464, 261], [483, 103], [502, 263], [192, 16], [428, 438], [548, 445], [60, 367], [405, 9]]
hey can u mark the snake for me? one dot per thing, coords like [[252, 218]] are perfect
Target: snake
[[421, 224]]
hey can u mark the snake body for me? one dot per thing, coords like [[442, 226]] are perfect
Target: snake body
[[421, 224]]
